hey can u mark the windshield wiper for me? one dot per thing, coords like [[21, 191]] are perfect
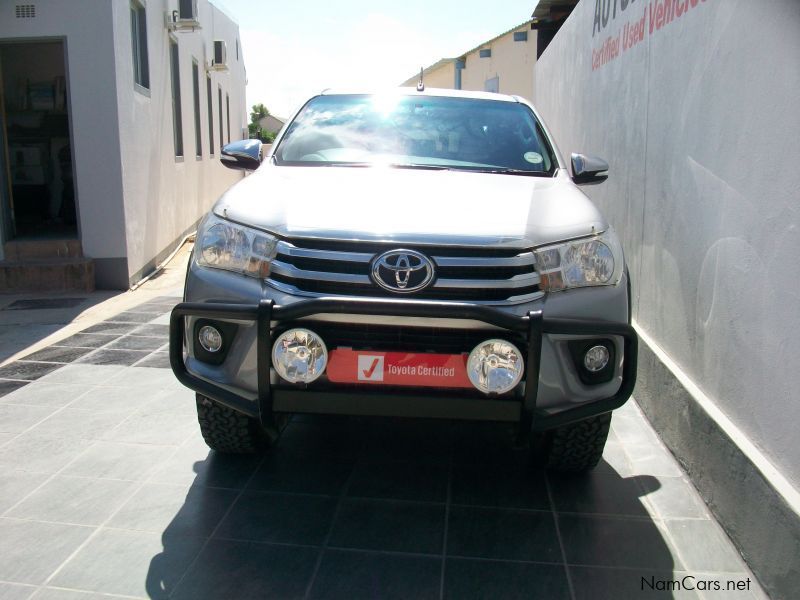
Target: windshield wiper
[[516, 172]]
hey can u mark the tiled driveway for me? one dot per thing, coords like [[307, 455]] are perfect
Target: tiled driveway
[[107, 487]]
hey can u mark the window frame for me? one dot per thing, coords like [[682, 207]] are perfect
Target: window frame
[[198, 131], [177, 113], [139, 47]]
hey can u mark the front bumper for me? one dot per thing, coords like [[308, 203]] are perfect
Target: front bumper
[[272, 398]]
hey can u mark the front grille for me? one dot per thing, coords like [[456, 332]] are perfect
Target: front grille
[[335, 268]]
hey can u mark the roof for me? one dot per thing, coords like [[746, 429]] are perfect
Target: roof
[[552, 10], [410, 91]]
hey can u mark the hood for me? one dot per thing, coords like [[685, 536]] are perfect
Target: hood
[[411, 206]]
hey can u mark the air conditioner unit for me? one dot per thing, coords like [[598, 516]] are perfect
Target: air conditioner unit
[[220, 60], [186, 18]]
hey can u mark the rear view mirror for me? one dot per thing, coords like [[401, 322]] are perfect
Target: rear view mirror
[[588, 170], [244, 154]]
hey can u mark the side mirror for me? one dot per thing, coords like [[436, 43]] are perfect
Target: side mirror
[[588, 170], [244, 154]]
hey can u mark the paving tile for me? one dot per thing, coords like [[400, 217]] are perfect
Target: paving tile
[[673, 497], [16, 418], [150, 378], [15, 485], [16, 591], [43, 393], [594, 493], [261, 571], [136, 342], [110, 328], [115, 399], [134, 563], [344, 575], [58, 354], [633, 428], [162, 320], [487, 444], [157, 360], [152, 330], [174, 509], [408, 440], [30, 551], [342, 438], [145, 427], [284, 471], [104, 356], [593, 583], [389, 525], [27, 371], [614, 461], [194, 463], [42, 454], [73, 500], [82, 374], [616, 542], [131, 317], [482, 579], [490, 485], [48, 593], [6, 437], [502, 534], [400, 481], [8, 386], [71, 423], [115, 460], [703, 546], [86, 340], [281, 518], [652, 459]]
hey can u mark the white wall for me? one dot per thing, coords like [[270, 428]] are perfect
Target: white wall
[[165, 196], [700, 125], [86, 28]]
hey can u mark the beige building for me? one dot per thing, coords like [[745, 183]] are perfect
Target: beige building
[[504, 64]]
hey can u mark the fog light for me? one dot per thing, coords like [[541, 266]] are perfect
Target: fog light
[[299, 355], [596, 359], [495, 366], [210, 338]]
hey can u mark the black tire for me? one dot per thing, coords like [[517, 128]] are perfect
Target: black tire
[[228, 431], [576, 447]]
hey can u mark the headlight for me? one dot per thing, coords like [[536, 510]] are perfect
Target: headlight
[[591, 261], [225, 245]]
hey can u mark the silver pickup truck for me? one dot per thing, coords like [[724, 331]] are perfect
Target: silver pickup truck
[[413, 253]]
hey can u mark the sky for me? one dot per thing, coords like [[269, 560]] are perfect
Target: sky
[[293, 50]]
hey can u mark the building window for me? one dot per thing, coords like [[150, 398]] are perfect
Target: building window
[[520, 36], [210, 100], [228, 114], [237, 49], [485, 53], [141, 66], [177, 119], [219, 107], [198, 134]]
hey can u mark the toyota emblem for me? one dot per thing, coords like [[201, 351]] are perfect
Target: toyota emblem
[[402, 271]]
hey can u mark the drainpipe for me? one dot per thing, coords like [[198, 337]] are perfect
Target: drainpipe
[[460, 64]]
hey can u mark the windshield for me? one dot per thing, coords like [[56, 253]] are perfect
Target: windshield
[[417, 131]]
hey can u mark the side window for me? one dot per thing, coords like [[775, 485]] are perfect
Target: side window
[[177, 118], [141, 65], [210, 101]]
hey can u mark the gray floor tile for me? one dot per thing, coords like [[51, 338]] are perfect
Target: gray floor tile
[[150, 378], [289, 519], [116, 460], [32, 452], [78, 374], [31, 551], [9, 386], [502, 534], [614, 461], [131, 342], [58, 354], [132, 317], [143, 427], [616, 542], [194, 463], [73, 500], [16, 591], [16, 418], [156, 360], [151, 330], [71, 423], [672, 497], [15, 485], [400, 481], [408, 440], [703, 546], [286, 472], [110, 328], [389, 525], [332, 438], [594, 493], [481, 579], [114, 399], [632, 428], [6, 437], [346, 575], [27, 371], [49, 593], [174, 509], [652, 459], [134, 563], [593, 583], [87, 340], [104, 356], [488, 444], [44, 393], [262, 571], [498, 486]]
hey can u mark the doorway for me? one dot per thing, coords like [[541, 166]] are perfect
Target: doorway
[[37, 191]]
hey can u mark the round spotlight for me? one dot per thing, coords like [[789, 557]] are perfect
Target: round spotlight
[[299, 355], [596, 358], [495, 366], [210, 338]]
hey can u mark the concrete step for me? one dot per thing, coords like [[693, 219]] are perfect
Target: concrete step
[[47, 274], [24, 250]]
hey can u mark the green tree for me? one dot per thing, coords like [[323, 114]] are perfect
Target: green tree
[[258, 112]]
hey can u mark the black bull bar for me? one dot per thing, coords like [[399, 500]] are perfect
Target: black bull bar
[[373, 401]]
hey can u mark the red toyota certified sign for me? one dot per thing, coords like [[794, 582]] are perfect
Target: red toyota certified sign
[[398, 368]]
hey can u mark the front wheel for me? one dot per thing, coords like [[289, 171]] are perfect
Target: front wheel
[[575, 447], [228, 431]]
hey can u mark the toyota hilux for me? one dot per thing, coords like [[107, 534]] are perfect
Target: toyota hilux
[[409, 253]]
